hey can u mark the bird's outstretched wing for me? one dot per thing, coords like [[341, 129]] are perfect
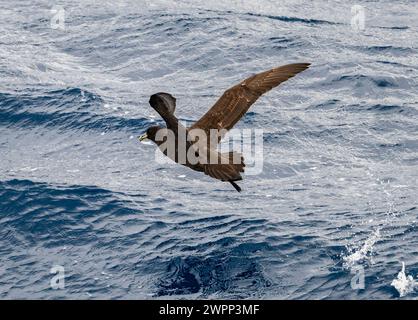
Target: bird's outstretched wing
[[235, 101]]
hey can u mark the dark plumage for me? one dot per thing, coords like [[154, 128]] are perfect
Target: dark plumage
[[224, 114]]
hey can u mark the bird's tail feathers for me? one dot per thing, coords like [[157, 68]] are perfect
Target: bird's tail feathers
[[236, 159], [223, 172]]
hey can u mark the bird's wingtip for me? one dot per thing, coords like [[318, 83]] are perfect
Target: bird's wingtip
[[237, 187]]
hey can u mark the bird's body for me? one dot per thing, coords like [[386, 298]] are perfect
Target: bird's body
[[195, 147], [208, 160]]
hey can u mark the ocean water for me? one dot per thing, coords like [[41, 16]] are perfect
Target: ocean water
[[332, 215]]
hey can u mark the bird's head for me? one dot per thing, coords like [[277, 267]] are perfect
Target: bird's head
[[150, 134], [163, 103]]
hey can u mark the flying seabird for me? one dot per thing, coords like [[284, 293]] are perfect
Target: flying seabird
[[223, 115]]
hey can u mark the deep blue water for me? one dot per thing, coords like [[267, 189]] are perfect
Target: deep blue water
[[338, 190]]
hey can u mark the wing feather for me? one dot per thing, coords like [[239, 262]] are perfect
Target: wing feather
[[236, 101]]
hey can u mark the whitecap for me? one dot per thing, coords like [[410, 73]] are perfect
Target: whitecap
[[403, 283], [363, 252]]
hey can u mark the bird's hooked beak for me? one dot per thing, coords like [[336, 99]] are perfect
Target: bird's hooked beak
[[143, 137]]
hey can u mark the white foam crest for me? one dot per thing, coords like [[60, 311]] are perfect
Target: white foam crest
[[363, 252], [403, 283]]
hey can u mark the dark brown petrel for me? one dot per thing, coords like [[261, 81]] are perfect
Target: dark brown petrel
[[224, 114]]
